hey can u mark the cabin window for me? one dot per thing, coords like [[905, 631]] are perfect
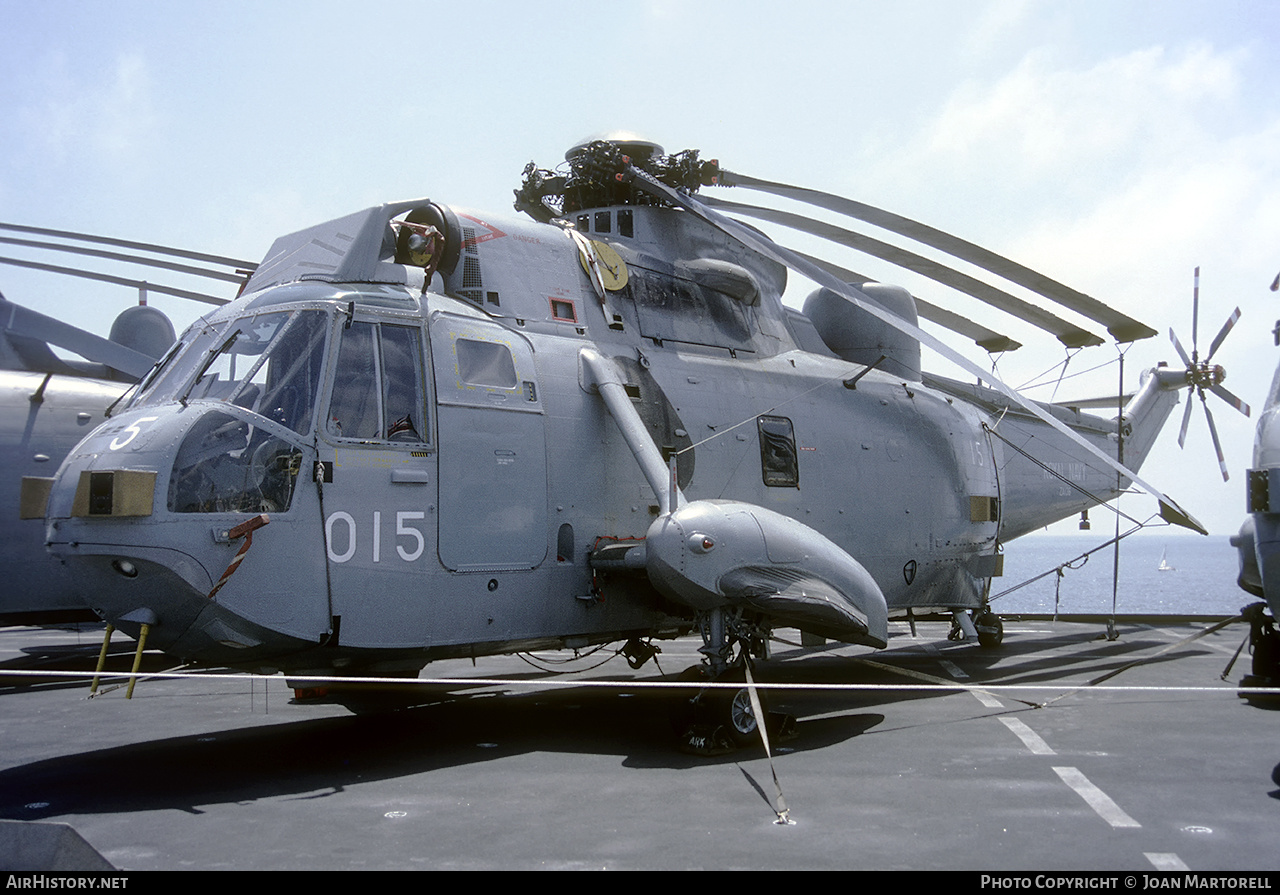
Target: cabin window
[[674, 309], [379, 389], [564, 310], [485, 363], [778, 458]]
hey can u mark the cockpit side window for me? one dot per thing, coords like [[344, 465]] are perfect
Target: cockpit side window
[[403, 391], [379, 387], [353, 412]]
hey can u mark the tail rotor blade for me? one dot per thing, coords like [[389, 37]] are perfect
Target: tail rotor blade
[[1217, 445], [1195, 313], [1178, 347], [1186, 420], [1230, 399], [1222, 334]]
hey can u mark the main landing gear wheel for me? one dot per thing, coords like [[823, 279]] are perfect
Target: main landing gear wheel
[[990, 629], [716, 720], [742, 719], [720, 720]]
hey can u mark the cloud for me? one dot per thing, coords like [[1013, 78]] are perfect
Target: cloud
[[1039, 121], [1217, 203], [81, 112], [1075, 132], [1116, 175]]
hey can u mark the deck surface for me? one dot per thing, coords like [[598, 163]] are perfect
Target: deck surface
[[550, 772]]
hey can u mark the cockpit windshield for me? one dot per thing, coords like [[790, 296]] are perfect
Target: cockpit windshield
[[269, 364]]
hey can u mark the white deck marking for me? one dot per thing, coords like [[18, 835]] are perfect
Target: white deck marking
[[1029, 737], [1098, 800], [1165, 860], [951, 667]]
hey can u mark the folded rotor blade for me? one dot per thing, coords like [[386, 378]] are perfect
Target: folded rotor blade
[[1217, 445], [984, 338], [1222, 333], [1169, 509], [119, 281], [1230, 399], [1186, 420], [1122, 327], [211, 273], [1069, 334], [28, 324], [130, 244], [1178, 347], [1110, 402]]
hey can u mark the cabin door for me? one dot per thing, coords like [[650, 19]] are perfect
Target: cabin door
[[379, 494], [493, 454]]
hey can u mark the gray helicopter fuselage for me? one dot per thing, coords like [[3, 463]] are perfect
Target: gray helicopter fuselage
[[439, 468], [42, 417], [1258, 541], [47, 405]]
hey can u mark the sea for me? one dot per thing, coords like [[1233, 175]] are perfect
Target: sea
[[1200, 580]]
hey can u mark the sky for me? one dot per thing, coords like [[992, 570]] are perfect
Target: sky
[[1113, 145]]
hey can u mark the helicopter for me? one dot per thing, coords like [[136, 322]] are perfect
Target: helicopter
[[424, 432], [1258, 541], [48, 402]]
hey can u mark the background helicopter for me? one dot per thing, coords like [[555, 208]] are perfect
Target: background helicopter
[[1258, 540], [599, 425], [48, 401]]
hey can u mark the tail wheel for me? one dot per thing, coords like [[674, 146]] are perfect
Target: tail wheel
[[990, 629]]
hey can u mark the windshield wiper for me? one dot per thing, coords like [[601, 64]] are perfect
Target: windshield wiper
[[213, 355]]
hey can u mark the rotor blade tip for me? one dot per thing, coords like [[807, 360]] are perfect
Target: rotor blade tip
[[1172, 513]]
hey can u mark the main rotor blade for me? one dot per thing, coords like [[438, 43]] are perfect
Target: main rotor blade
[[1230, 399], [1222, 334], [1186, 420], [1177, 346], [130, 244], [1067, 333], [1110, 402], [119, 281], [29, 324], [1122, 327], [1169, 508], [1217, 445], [984, 338], [130, 259]]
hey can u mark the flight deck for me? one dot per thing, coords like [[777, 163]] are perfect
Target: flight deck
[[928, 755]]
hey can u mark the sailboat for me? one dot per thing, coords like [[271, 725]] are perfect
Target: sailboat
[[1164, 562]]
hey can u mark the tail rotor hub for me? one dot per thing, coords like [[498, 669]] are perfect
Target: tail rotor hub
[[1205, 375]]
